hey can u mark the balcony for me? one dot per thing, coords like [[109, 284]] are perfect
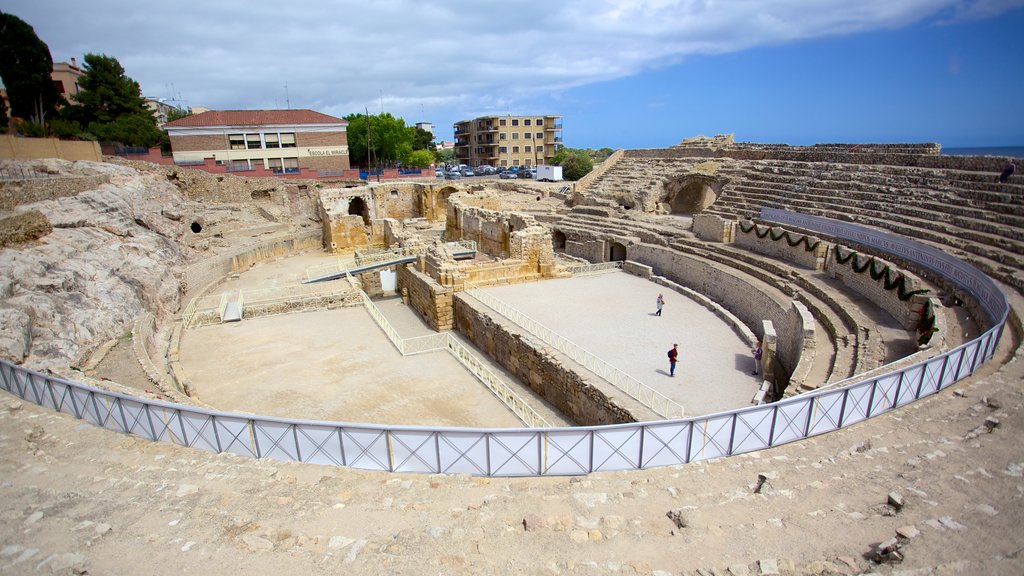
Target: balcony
[[553, 126]]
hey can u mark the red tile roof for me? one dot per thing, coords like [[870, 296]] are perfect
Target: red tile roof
[[254, 118]]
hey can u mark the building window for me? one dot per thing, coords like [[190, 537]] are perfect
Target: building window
[[540, 135], [501, 122], [291, 165], [236, 141], [526, 149], [527, 161], [540, 121], [515, 135], [502, 136], [504, 162], [288, 140], [275, 165], [515, 122], [252, 142], [527, 135], [540, 148], [502, 150], [526, 122], [515, 149], [272, 140]]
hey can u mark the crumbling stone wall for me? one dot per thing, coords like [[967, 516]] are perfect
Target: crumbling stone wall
[[429, 299], [714, 228], [536, 366], [17, 192], [375, 203]]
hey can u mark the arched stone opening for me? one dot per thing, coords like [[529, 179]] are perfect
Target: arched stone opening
[[357, 207], [260, 195], [616, 252], [690, 194], [197, 226], [558, 240]]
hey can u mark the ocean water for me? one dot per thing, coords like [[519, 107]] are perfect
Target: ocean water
[[1011, 151]]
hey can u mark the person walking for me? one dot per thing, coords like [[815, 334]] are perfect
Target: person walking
[[757, 359], [673, 357], [660, 304]]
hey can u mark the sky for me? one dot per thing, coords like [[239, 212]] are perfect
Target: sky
[[621, 73]]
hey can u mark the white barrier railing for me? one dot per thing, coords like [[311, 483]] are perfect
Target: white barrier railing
[[656, 401], [528, 415], [588, 269], [188, 313], [519, 452], [341, 266], [222, 306]]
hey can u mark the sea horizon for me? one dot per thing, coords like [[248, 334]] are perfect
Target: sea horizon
[[1002, 151]]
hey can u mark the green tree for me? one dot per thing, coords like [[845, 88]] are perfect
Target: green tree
[[576, 165], [4, 120], [446, 156], [422, 140], [177, 114], [110, 105], [390, 140], [419, 159], [25, 68]]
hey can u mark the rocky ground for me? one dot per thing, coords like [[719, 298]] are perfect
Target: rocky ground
[[934, 488]]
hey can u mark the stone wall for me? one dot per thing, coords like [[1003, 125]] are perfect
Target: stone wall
[[18, 148], [748, 236], [906, 312], [375, 203], [537, 366], [197, 277], [589, 250], [714, 228], [800, 324], [429, 299], [17, 192]]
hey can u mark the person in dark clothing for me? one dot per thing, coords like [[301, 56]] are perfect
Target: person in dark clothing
[[1007, 172], [673, 357]]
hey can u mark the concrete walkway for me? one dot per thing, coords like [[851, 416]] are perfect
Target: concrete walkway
[[612, 316]]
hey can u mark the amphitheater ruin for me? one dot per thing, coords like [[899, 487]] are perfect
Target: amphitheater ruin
[[467, 378]]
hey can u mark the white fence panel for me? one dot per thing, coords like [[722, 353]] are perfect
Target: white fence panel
[[276, 440], [567, 452], [463, 452], [199, 430], [791, 419], [858, 402], [908, 387], [826, 410], [319, 444], [885, 393], [711, 437], [753, 429], [366, 448], [970, 360], [933, 373], [617, 448], [515, 453], [136, 418], [235, 435], [414, 451], [166, 426], [665, 444]]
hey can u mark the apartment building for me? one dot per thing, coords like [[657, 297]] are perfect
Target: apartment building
[[65, 76], [508, 140], [283, 141]]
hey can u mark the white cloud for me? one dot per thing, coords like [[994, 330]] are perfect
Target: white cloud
[[428, 56]]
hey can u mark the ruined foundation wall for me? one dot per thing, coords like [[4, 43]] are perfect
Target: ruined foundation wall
[[748, 236], [535, 365], [906, 312], [429, 299]]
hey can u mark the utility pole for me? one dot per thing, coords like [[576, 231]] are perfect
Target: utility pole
[[287, 100]]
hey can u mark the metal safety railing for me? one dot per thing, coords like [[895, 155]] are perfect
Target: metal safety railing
[[376, 256], [588, 269], [656, 401], [532, 451]]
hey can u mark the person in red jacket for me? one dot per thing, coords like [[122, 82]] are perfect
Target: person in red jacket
[[673, 357]]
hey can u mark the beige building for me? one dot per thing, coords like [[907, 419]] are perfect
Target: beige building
[[508, 140], [65, 77], [283, 141]]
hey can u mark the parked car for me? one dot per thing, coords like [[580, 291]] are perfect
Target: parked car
[[525, 173], [439, 173], [467, 171], [452, 175], [484, 170], [507, 175]]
